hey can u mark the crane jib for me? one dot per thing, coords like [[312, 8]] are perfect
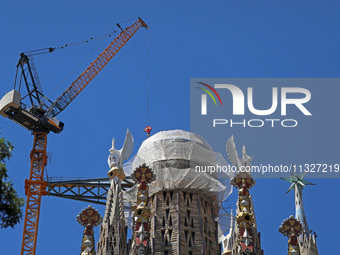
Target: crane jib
[[95, 67]]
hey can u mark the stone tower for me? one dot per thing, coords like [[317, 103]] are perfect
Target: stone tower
[[247, 239], [306, 239], [89, 218], [243, 238], [183, 200], [113, 231]]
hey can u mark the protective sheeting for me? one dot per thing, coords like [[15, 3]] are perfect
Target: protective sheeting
[[181, 160]]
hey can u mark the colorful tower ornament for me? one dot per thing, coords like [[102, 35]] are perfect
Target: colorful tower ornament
[[89, 218], [246, 230], [141, 238], [247, 240], [292, 228]]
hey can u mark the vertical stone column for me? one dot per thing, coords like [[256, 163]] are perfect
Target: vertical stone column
[[141, 236], [113, 231], [292, 228], [88, 217]]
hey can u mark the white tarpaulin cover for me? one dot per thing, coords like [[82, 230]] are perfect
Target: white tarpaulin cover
[[175, 156]]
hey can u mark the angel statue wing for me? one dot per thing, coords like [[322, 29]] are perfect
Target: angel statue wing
[[232, 153], [126, 151], [246, 159]]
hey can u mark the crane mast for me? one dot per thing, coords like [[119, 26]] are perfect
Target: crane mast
[[35, 187], [40, 119]]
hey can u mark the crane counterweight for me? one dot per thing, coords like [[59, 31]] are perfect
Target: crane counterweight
[[32, 119]]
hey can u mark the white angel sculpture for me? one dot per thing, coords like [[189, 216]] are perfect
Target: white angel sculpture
[[117, 157], [244, 162]]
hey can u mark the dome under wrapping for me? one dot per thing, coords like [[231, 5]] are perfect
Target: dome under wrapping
[[174, 157]]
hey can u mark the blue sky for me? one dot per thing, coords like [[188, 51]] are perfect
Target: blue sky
[[211, 39]]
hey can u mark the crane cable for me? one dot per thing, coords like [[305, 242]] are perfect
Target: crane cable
[[148, 128], [52, 49], [147, 77], [76, 67]]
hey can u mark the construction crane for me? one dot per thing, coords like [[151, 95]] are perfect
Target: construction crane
[[40, 118]]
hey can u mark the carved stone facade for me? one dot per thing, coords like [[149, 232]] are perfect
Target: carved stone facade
[[183, 223], [112, 240], [308, 245], [113, 232]]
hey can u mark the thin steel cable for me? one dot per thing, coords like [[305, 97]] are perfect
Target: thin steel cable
[[52, 49], [102, 37], [98, 37], [76, 67], [147, 76]]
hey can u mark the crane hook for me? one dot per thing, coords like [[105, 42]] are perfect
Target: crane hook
[[148, 130]]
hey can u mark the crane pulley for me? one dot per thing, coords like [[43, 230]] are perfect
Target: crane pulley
[[40, 118]]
